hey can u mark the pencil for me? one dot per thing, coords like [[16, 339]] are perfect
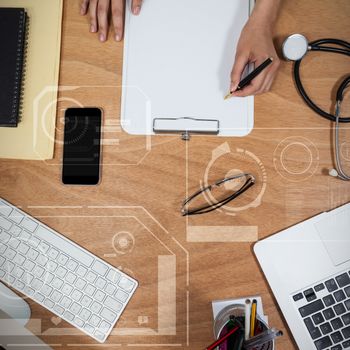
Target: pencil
[[222, 339], [253, 318], [245, 81], [247, 319]]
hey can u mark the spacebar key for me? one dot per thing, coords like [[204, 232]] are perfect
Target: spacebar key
[[311, 308], [57, 241]]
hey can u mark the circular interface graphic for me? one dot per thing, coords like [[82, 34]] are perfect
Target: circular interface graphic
[[123, 242]]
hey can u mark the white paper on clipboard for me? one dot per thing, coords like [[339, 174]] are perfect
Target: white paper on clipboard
[[178, 55]]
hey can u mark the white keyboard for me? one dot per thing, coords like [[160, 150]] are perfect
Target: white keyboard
[[58, 274]]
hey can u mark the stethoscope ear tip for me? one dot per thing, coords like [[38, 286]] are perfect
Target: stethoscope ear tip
[[333, 172], [295, 47]]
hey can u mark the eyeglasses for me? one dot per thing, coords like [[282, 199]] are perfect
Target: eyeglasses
[[217, 194]]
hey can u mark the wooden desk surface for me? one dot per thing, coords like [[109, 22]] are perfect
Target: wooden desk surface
[[132, 218]]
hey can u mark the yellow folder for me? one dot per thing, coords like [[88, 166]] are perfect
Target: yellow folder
[[34, 137]]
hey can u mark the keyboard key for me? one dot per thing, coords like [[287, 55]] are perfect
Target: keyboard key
[[28, 265], [29, 224], [39, 297], [5, 210], [53, 253], [347, 291], [346, 344], [95, 307], [34, 242], [27, 278], [337, 323], [326, 328], [310, 294], [19, 259], [36, 284], [43, 247], [336, 347], [347, 304], [328, 300], [85, 314], [32, 254], [116, 306], [323, 343], [48, 277], [68, 315], [42, 260], [99, 295], [38, 271], [65, 302], [16, 216], [3, 247], [95, 320], [56, 296], [49, 303], [62, 259], [113, 275], [122, 296], [331, 285], [15, 230], [298, 296], [343, 280], [14, 243], [70, 277], [328, 313], [23, 248], [346, 332], [18, 272], [337, 337], [319, 287], [59, 310], [339, 295], [100, 336], [81, 271], [51, 266], [88, 328], [57, 283], [61, 272], [99, 268], [100, 283], [91, 276], [76, 295], [339, 309], [25, 236], [110, 289], [19, 285], [9, 253], [29, 291], [64, 245], [5, 224], [80, 284], [46, 290], [90, 290], [128, 286], [86, 301], [346, 319], [67, 289], [108, 315], [104, 326], [79, 322], [75, 308], [72, 265]]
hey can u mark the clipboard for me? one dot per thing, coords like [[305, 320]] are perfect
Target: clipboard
[[178, 56]]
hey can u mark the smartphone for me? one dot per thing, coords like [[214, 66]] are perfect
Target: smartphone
[[82, 146]]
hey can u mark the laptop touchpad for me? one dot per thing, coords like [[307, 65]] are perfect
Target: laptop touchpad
[[334, 231]]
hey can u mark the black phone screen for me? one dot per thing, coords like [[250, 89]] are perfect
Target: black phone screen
[[82, 143]]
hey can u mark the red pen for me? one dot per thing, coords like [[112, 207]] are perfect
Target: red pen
[[222, 339]]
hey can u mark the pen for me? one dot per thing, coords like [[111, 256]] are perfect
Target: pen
[[245, 81], [247, 319], [222, 339], [253, 318]]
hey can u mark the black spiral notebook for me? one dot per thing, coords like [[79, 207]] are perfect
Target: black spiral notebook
[[12, 56]]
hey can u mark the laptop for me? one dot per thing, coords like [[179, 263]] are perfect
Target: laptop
[[308, 269]]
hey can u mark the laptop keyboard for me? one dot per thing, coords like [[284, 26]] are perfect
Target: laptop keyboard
[[325, 309]]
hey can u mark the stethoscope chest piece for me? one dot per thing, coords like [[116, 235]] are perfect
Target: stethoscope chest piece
[[295, 47]]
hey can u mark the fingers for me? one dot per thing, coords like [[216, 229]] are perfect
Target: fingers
[[84, 7], [262, 83], [102, 17], [136, 6], [93, 15], [118, 18], [237, 70]]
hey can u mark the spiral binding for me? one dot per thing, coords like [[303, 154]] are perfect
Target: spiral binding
[[22, 46]]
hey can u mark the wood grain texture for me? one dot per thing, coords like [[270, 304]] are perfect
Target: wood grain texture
[[133, 216]]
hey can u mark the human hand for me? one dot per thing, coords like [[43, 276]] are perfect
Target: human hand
[[99, 10], [255, 46]]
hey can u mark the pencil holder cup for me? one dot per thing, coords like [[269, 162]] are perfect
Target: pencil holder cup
[[237, 310]]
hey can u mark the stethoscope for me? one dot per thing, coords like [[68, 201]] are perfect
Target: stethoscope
[[295, 48]]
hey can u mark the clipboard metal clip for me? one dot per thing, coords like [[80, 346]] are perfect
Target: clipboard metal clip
[[186, 126]]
